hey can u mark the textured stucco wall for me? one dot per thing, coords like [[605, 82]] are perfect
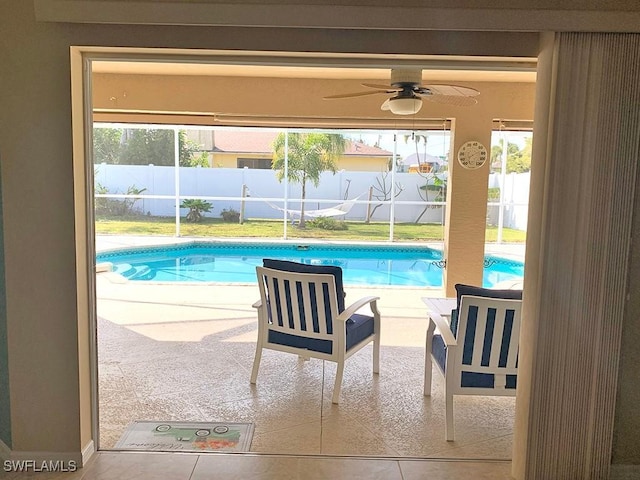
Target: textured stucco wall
[[5, 410]]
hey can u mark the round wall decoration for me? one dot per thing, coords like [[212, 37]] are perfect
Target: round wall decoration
[[472, 155]]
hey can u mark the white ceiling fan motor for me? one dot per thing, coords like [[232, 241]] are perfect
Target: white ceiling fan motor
[[405, 102]]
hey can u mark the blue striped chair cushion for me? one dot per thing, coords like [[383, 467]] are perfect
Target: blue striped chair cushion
[[469, 379], [358, 328]]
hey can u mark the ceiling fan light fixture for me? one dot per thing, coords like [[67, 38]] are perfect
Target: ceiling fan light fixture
[[405, 105]]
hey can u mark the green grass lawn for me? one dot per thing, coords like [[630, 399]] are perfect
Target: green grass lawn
[[215, 227]]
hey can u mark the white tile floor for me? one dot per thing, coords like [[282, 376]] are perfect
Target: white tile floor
[[214, 466]]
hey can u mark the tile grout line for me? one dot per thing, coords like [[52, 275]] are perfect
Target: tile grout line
[[195, 465]]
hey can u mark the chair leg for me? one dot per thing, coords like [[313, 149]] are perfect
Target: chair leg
[[338, 383], [448, 428], [376, 339], [376, 354], [256, 364], [428, 364], [428, 373]]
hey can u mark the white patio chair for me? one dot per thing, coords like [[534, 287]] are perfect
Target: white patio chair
[[298, 313], [479, 354]]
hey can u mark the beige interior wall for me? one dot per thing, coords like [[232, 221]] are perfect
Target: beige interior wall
[[502, 15], [39, 228]]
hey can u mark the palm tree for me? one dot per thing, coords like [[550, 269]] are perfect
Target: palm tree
[[309, 154]]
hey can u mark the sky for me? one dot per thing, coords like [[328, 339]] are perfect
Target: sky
[[438, 142]]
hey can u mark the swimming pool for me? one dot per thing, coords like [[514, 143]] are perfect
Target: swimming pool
[[227, 262]]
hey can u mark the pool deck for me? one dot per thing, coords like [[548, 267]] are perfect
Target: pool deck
[[111, 242]]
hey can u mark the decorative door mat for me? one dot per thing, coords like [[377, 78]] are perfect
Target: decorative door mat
[[187, 436]]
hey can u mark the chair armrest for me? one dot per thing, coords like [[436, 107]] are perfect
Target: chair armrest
[[444, 329], [258, 304], [357, 305]]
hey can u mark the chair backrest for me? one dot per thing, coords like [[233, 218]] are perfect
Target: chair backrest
[[463, 289], [487, 353], [289, 266], [299, 306]]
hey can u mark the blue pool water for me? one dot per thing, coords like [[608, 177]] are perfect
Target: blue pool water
[[235, 263]]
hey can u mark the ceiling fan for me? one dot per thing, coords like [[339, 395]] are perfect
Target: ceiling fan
[[408, 91]]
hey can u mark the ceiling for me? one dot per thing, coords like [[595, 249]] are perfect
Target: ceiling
[[271, 100]]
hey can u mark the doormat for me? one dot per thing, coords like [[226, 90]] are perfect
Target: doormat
[[187, 436]]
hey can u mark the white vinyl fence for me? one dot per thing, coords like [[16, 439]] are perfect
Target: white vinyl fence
[[165, 187], [514, 190]]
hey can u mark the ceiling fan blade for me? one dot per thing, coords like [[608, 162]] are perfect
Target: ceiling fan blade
[[449, 90], [355, 94], [451, 100], [387, 88], [385, 105]]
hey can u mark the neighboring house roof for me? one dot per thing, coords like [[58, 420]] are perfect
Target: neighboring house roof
[[237, 141], [361, 149]]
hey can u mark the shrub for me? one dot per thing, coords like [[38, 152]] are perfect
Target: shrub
[[327, 223], [114, 206], [493, 194], [196, 207], [101, 203], [230, 216]]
